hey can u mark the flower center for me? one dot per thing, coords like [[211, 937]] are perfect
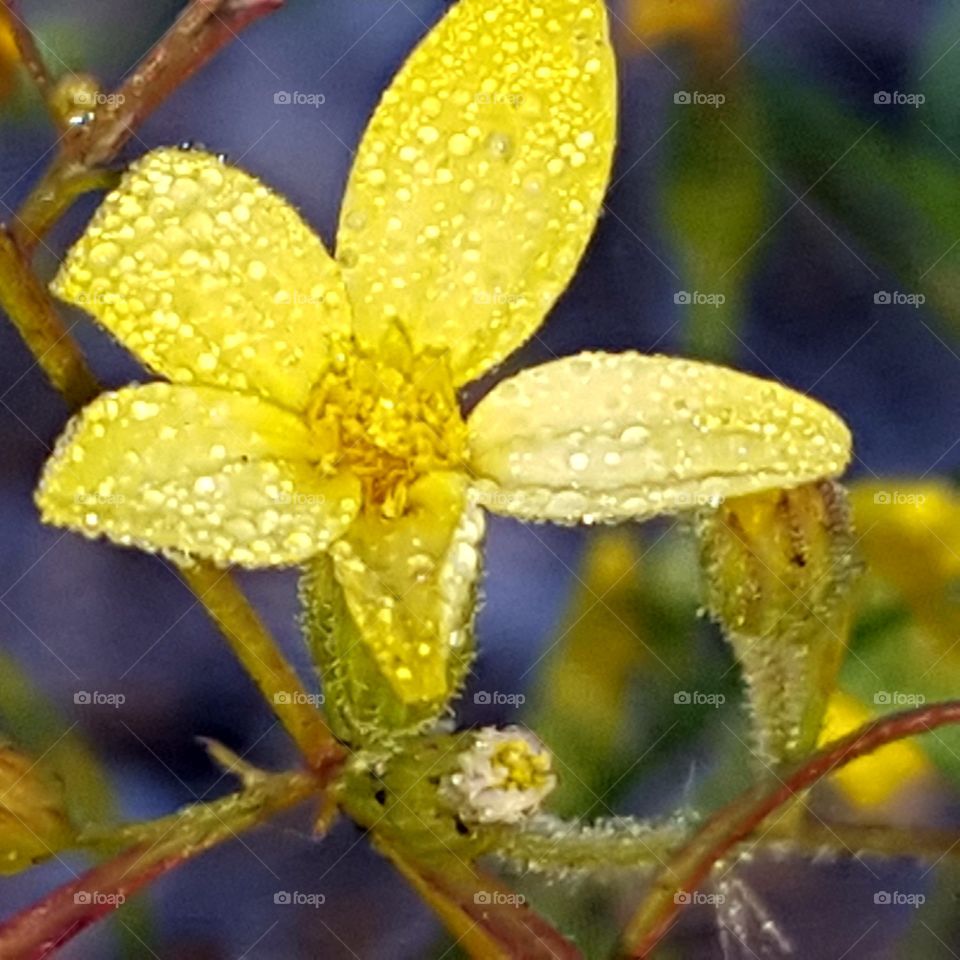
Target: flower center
[[520, 767], [390, 416]]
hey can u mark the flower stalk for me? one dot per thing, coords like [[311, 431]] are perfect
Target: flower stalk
[[693, 864]]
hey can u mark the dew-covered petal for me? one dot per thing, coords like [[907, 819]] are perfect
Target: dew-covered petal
[[196, 471], [209, 277], [410, 585], [602, 437], [480, 176]]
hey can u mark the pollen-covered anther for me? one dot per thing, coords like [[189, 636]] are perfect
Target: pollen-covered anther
[[503, 778], [389, 416]]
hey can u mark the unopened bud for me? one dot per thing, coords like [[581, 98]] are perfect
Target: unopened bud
[[779, 566], [33, 820]]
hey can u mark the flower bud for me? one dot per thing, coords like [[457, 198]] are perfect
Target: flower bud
[[33, 821], [503, 777], [779, 566]]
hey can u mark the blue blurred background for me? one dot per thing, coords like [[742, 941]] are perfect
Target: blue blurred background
[[830, 203]]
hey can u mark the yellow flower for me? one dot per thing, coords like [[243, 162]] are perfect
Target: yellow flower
[[312, 403], [706, 21], [874, 780], [9, 58]]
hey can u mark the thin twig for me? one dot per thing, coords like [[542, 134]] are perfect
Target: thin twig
[[199, 33], [30, 308], [30, 55], [156, 848], [692, 865]]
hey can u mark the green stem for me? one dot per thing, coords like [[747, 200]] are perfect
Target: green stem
[[32, 312], [556, 845], [256, 649], [692, 865], [157, 848]]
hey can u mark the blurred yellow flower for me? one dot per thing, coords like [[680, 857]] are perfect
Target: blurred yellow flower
[[703, 21], [312, 403], [9, 59], [33, 819], [909, 534], [874, 780]]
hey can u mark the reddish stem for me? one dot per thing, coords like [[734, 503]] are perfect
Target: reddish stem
[[199, 33], [39, 930], [692, 865]]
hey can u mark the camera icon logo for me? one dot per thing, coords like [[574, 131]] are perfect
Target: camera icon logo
[[882, 298], [683, 97], [482, 697], [83, 897], [282, 897], [683, 297], [283, 698], [82, 697], [882, 897], [482, 898], [282, 97], [682, 697], [883, 97]]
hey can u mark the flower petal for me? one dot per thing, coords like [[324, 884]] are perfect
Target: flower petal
[[196, 471], [208, 276], [480, 177], [410, 586], [605, 437]]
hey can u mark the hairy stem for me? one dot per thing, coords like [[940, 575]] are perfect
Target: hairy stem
[[692, 865], [548, 845]]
